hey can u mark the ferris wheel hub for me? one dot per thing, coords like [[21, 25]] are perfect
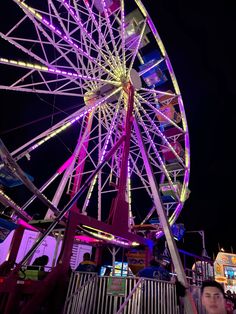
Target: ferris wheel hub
[[135, 79]]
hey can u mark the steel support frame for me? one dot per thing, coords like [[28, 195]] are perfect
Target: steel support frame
[[189, 303], [120, 207]]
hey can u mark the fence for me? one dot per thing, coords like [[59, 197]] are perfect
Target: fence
[[90, 294]]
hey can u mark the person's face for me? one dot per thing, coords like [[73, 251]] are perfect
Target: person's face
[[213, 300]]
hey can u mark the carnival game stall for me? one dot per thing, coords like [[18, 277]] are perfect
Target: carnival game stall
[[225, 270]]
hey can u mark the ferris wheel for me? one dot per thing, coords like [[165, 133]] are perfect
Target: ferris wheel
[[119, 117]]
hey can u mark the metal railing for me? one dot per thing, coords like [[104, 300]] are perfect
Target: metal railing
[[91, 294]]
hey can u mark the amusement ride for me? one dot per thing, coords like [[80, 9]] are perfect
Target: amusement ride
[[110, 165]]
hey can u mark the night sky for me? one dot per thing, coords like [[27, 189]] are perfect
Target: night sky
[[198, 41]]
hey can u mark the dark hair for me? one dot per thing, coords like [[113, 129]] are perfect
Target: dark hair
[[41, 260], [86, 256], [153, 263], [212, 283]]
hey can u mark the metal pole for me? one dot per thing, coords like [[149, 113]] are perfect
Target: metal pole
[[189, 303], [202, 234]]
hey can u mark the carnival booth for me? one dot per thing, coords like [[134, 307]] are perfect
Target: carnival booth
[[225, 270]]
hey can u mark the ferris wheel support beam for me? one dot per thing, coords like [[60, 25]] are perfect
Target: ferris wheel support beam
[[82, 153], [120, 207], [12, 165], [189, 303], [71, 202], [7, 201], [79, 153]]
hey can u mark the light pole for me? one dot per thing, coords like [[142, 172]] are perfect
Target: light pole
[[202, 234]]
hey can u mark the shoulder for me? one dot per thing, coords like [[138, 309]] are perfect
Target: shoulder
[[148, 272], [87, 266], [88, 263], [162, 274]]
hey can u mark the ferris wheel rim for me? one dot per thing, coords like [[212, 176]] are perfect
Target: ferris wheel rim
[[94, 81]]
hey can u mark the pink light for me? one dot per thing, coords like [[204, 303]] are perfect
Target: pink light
[[87, 239], [65, 165], [25, 224]]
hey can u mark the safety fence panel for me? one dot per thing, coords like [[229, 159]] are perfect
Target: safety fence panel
[[90, 294]]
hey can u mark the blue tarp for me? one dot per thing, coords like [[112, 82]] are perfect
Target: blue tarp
[[6, 227], [9, 180]]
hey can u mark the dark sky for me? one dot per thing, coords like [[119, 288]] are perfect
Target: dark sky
[[199, 42]]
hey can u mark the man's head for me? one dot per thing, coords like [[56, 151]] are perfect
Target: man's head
[[44, 260], [213, 297], [153, 263], [86, 256]]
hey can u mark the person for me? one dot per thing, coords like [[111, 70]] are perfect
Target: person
[[87, 265], [213, 298], [40, 262], [155, 270], [35, 271], [107, 271]]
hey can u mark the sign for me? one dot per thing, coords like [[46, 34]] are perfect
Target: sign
[[116, 286], [136, 261]]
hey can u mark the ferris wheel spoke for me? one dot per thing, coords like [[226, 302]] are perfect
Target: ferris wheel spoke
[[152, 145], [8, 202], [110, 30], [123, 36], [157, 111], [37, 18], [72, 77], [107, 140], [157, 91], [151, 177], [59, 127], [161, 135], [111, 59], [63, 84], [140, 174], [110, 126], [162, 165], [137, 154], [71, 13], [148, 216], [137, 46], [39, 91], [14, 42], [87, 37]]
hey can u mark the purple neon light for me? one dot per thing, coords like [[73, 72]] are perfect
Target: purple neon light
[[86, 32], [169, 66], [103, 155], [69, 123], [56, 30]]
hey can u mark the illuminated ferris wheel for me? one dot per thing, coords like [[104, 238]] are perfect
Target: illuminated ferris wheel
[[127, 132]]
